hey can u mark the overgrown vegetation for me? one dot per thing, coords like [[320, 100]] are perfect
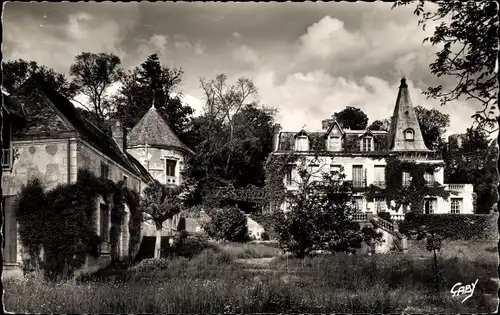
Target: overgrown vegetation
[[226, 224], [58, 227], [409, 196]]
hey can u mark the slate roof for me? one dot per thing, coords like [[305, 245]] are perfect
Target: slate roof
[[403, 118], [153, 130], [84, 128], [11, 105]]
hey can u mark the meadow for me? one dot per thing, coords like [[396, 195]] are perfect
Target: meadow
[[253, 278]]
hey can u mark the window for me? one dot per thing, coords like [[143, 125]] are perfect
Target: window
[[380, 205], [302, 143], [357, 176], [429, 178], [334, 144], [6, 145], [104, 225], [170, 167], [125, 180], [406, 180], [358, 203], [289, 177], [456, 205], [430, 205], [104, 170], [366, 144], [409, 135], [379, 175]]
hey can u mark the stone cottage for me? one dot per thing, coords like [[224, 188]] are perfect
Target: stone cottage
[[44, 137]]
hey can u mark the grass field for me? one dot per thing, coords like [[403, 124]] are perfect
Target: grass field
[[253, 278]]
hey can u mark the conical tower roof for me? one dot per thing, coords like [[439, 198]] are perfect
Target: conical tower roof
[[405, 133], [153, 130]]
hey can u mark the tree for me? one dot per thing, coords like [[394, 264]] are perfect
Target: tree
[[319, 213], [94, 73], [16, 72], [433, 125], [160, 203], [376, 125], [227, 224], [352, 118], [469, 52], [475, 162], [153, 83]]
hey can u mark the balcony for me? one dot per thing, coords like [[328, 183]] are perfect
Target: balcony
[[6, 158], [460, 188]]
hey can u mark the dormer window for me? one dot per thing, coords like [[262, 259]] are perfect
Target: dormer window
[[334, 143], [367, 144], [302, 143], [409, 134]]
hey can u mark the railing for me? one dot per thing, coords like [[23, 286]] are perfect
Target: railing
[[397, 217], [399, 240], [380, 184], [385, 225], [456, 187], [362, 216], [6, 158]]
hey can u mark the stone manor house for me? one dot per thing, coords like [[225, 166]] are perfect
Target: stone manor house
[[44, 137], [362, 155]]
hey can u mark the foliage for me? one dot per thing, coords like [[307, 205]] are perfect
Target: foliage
[[150, 83], [189, 244], [94, 73], [318, 215], [433, 125], [132, 199], [161, 202], [227, 223], [385, 215], [16, 72], [468, 37], [398, 195], [352, 118], [452, 226], [276, 168], [69, 209], [475, 162]]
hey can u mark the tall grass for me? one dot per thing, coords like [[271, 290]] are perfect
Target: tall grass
[[249, 250], [212, 282]]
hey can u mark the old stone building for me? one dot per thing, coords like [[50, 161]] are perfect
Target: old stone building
[[363, 153], [44, 137]]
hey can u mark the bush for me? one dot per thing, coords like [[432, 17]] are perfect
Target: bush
[[386, 216], [189, 245], [228, 224], [452, 226]]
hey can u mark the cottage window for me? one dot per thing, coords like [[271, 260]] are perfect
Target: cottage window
[[289, 177], [409, 134], [125, 180], [104, 226], [367, 144], [104, 170], [357, 176], [456, 205], [334, 143], [302, 143], [379, 171], [170, 167], [6, 145]]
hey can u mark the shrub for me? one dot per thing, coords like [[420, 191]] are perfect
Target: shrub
[[189, 245], [227, 223]]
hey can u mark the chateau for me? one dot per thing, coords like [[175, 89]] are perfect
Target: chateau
[[362, 155], [44, 137]]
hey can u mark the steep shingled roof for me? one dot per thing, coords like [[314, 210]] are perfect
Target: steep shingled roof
[[404, 118], [83, 128], [153, 130]]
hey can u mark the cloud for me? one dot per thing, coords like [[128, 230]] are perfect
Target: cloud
[[246, 56]]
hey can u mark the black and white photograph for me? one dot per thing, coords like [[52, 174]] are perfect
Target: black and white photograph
[[250, 157]]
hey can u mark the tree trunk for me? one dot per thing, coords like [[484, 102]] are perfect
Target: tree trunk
[[158, 243]]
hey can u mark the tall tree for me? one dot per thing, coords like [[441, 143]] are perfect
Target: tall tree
[[148, 83], [352, 118], [383, 124], [468, 35], [94, 73], [16, 72], [433, 125]]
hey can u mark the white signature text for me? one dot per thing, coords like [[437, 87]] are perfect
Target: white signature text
[[459, 289]]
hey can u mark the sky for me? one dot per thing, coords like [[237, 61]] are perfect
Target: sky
[[308, 60]]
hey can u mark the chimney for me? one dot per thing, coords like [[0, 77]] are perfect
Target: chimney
[[118, 134], [276, 134], [325, 124]]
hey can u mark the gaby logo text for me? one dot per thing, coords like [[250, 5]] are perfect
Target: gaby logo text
[[459, 289]]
